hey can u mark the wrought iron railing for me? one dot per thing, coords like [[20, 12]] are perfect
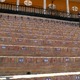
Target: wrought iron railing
[[37, 11]]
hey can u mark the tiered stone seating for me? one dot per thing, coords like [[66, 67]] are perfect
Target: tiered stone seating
[[38, 65], [19, 32], [18, 50], [23, 37]]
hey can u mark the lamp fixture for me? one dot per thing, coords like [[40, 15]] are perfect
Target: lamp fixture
[[28, 2], [2, 0], [75, 8]]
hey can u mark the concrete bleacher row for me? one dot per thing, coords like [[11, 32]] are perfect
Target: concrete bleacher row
[[38, 42], [69, 77], [40, 32], [17, 50], [76, 77], [43, 28], [36, 21], [38, 65], [37, 36]]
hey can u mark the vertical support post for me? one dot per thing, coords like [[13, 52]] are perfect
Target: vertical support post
[[79, 18], [79, 21], [17, 4], [44, 6], [67, 7]]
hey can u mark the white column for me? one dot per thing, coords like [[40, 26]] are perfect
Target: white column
[[44, 6], [17, 4], [67, 7]]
